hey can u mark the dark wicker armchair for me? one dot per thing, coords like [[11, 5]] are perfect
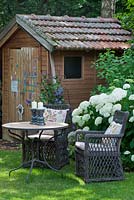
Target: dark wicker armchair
[[97, 154], [54, 148]]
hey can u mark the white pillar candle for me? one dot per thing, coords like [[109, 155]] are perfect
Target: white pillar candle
[[34, 104], [40, 105]]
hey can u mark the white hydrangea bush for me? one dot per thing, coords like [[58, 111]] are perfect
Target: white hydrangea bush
[[99, 110], [97, 113]]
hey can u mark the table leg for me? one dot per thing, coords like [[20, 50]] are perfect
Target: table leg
[[16, 168], [33, 159]]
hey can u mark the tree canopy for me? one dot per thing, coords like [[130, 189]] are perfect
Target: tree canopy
[[126, 14], [89, 8]]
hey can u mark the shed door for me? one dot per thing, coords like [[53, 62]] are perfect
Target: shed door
[[24, 73]]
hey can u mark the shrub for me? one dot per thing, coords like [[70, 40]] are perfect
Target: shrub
[[115, 69], [51, 91], [97, 114]]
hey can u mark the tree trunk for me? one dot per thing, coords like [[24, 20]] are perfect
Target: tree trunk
[[108, 8]]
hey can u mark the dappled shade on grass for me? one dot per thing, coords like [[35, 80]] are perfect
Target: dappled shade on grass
[[47, 184]]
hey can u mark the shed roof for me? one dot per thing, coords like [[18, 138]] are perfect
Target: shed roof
[[73, 33]]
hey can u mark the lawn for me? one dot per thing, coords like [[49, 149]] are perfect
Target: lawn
[[63, 185]]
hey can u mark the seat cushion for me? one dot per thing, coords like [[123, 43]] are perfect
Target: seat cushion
[[95, 147], [48, 132], [54, 115], [43, 137]]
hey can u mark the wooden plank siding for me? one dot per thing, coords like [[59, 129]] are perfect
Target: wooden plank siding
[[19, 43], [77, 90], [21, 39]]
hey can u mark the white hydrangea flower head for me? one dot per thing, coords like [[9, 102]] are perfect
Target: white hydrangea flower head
[[110, 119], [127, 152], [98, 99], [99, 106], [94, 100], [104, 98], [117, 106], [98, 121], [131, 106], [77, 111], [80, 122], [118, 94], [132, 158], [86, 128], [131, 97], [85, 117], [71, 134], [126, 86], [131, 119], [106, 110], [84, 105], [76, 119]]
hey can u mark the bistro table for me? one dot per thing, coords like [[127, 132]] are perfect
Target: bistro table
[[25, 127]]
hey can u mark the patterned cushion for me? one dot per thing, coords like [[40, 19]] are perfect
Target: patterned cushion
[[53, 115], [114, 128]]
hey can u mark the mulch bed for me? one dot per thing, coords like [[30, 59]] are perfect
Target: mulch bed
[[9, 145]]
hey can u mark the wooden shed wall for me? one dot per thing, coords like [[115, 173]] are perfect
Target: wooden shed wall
[[19, 40], [77, 90]]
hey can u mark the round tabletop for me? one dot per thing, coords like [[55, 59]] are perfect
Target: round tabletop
[[30, 126]]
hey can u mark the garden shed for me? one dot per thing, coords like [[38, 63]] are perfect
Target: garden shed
[[32, 45]]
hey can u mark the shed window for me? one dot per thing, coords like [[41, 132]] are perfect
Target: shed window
[[72, 67]]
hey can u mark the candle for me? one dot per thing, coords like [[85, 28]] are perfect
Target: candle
[[34, 104], [40, 105]]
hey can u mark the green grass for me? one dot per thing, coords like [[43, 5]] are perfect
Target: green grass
[[62, 185]]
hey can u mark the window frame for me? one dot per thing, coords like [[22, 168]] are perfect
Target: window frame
[[82, 68]]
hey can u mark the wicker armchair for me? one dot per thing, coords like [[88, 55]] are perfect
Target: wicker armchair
[[54, 148], [97, 154]]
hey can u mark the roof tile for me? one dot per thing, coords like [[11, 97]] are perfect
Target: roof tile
[[79, 32]]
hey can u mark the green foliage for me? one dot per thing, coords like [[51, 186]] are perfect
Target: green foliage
[[73, 8], [121, 6], [0, 99], [126, 15], [51, 91], [128, 160], [87, 8], [116, 69], [8, 9]]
